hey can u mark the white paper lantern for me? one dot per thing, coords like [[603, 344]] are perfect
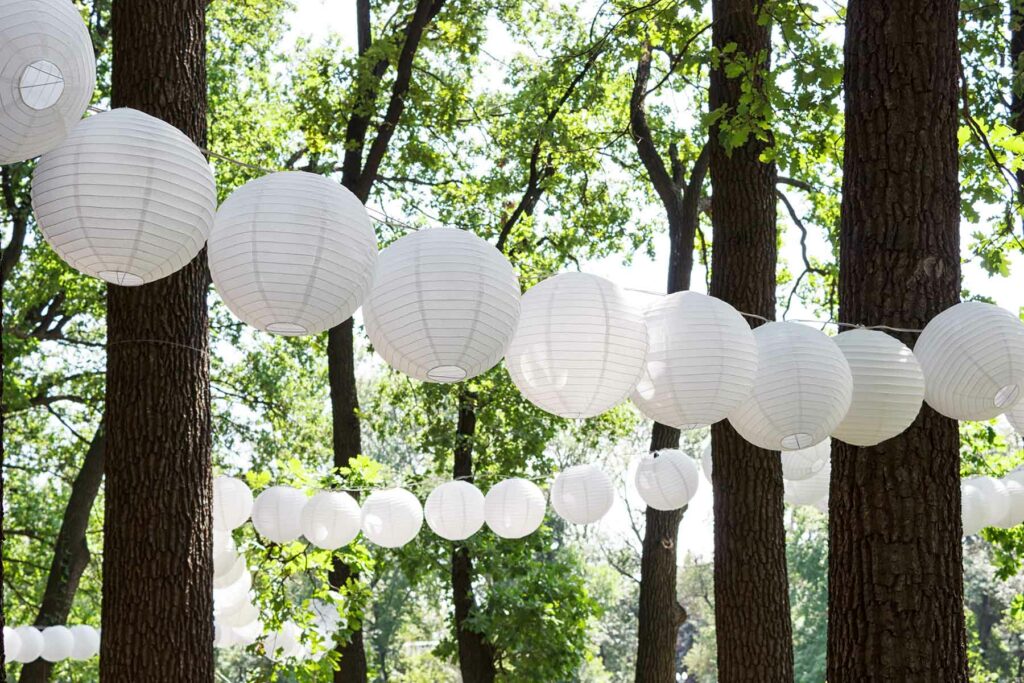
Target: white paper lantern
[[12, 644], [239, 614], [701, 361], [667, 480], [391, 518], [227, 574], [232, 593], [972, 355], [86, 642], [706, 464], [232, 503], [973, 509], [580, 346], [276, 513], [126, 198], [1016, 417], [292, 253], [284, 643], [1015, 509], [582, 494], [57, 643], [248, 634], [514, 508], [805, 463], [802, 391], [331, 519], [47, 75], [443, 307], [31, 644], [995, 496], [888, 387], [455, 510], [808, 491]]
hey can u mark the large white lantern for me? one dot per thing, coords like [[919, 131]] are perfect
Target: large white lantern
[[806, 462], [126, 198], [57, 643], [580, 346], [292, 253], [701, 361], [514, 508], [706, 464], [995, 497], [888, 387], [47, 75], [972, 355], [331, 519], [582, 494], [973, 509], [284, 643], [802, 391], [391, 518], [1016, 417], [31, 644], [455, 510], [808, 491], [232, 503], [668, 479], [276, 513], [1015, 510], [443, 307], [12, 644]]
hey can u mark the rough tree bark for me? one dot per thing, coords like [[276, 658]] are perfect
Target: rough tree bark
[[1016, 16], [752, 621], [896, 608], [157, 553]]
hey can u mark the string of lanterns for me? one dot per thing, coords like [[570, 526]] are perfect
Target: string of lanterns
[[26, 644]]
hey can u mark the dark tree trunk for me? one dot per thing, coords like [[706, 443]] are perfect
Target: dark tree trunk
[[157, 552], [752, 621], [896, 608], [1017, 85], [71, 552]]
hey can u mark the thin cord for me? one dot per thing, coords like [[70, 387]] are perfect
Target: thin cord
[[203, 352]]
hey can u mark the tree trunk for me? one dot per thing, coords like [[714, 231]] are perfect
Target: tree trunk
[[1017, 84], [896, 609], [752, 618], [157, 553], [71, 552]]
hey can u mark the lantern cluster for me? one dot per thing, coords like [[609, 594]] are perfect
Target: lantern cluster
[[236, 617], [992, 502], [53, 644]]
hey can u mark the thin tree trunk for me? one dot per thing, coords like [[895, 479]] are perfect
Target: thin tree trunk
[[896, 609], [157, 553], [752, 621], [1016, 16]]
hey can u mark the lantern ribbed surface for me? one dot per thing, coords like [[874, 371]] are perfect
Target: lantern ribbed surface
[[806, 462], [808, 491], [802, 390], [582, 494], [667, 480], [1015, 510], [580, 346], [995, 497], [1016, 417], [12, 644], [455, 510], [706, 461], [126, 198], [391, 518], [443, 307], [514, 508], [87, 642], [31, 643], [972, 355], [701, 361], [232, 503], [331, 519], [276, 513], [57, 643], [972, 508], [292, 253], [47, 75]]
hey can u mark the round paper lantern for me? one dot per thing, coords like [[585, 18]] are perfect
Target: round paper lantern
[[284, 643], [126, 198], [514, 508], [292, 253], [455, 510], [47, 75], [1016, 417], [667, 480], [701, 361], [12, 644], [972, 508], [330, 519], [888, 387], [995, 497], [239, 615], [1015, 510], [805, 463], [706, 464], [276, 513], [31, 644], [232, 503], [582, 494], [580, 346], [233, 593], [57, 643], [443, 306], [391, 518], [972, 355], [248, 634], [802, 390], [808, 491]]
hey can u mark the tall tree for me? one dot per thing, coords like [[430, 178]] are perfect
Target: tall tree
[[896, 608], [157, 564], [751, 592]]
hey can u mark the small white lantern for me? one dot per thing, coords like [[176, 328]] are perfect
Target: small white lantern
[[228, 573], [126, 198], [1016, 417], [888, 387], [972, 355], [57, 643], [31, 644], [1015, 510], [701, 361], [276, 513], [12, 644], [232, 593], [455, 510], [443, 307], [668, 479], [805, 463], [972, 509], [391, 518], [86, 642], [706, 464], [292, 253], [239, 614], [248, 634], [232, 503], [582, 494], [995, 497], [802, 391], [514, 508], [331, 519], [284, 644], [808, 491], [47, 75], [580, 346]]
